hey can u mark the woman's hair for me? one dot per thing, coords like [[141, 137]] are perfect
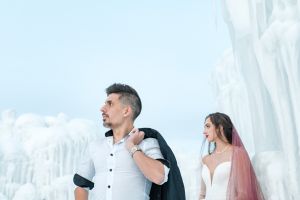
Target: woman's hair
[[221, 120]]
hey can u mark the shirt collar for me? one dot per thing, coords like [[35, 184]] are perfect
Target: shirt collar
[[110, 133]]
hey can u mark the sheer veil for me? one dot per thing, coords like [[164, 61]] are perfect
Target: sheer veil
[[243, 184]]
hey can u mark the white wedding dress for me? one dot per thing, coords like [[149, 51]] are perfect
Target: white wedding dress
[[217, 187]]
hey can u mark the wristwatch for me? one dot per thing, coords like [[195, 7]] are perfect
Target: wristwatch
[[134, 149]]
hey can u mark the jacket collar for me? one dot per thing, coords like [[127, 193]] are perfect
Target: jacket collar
[[109, 133]]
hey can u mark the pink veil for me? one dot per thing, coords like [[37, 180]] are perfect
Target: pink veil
[[242, 184]]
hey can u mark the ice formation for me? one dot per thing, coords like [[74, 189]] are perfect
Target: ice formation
[[257, 83], [38, 155]]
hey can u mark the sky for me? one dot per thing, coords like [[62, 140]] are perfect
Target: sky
[[59, 56]]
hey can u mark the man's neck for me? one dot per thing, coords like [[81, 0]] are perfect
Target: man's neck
[[120, 132]]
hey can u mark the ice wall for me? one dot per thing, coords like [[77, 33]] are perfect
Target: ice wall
[[257, 83], [38, 155]]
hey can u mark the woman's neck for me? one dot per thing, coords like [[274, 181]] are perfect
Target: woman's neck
[[221, 146]]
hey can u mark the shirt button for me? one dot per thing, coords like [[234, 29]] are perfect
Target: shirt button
[[108, 186], [111, 154], [110, 170]]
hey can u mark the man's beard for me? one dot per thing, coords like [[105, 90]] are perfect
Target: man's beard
[[107, 125]]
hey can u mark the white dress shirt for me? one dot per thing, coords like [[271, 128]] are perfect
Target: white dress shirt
[[114, 172]]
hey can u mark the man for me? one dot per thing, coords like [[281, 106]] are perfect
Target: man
[[123, 165]]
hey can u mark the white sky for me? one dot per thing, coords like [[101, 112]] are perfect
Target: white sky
[[59, 56]]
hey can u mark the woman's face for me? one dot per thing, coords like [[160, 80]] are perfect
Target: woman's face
[[209, 130]]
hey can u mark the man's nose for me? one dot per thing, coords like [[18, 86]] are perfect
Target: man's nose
[[102, 108]]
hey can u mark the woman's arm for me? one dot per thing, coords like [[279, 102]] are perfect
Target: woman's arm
[[202, 190]]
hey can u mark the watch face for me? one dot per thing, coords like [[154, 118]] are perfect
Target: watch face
[[134, 148]]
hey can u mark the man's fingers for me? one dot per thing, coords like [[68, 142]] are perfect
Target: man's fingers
[[142, 133], [135, 130]]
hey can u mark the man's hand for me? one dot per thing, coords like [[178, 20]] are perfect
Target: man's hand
[[80, 194], [135, 138], [152, 169]]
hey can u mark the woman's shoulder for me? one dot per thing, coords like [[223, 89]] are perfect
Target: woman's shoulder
[[205, 159]]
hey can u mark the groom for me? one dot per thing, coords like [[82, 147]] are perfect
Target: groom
[[128, 163]]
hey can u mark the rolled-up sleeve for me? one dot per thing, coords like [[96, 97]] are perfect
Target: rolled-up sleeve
[[85, 171], [151, 148]]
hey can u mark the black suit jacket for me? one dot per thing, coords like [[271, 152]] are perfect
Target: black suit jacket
[[173, 189]]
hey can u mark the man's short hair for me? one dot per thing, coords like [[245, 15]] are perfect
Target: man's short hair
[[128, 95]]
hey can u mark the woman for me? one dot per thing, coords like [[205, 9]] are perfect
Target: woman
[[227, 172]]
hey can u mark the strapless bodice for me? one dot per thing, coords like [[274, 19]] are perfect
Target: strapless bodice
[[217, 187]]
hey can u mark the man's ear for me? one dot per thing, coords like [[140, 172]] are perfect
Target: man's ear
[[127, 111]]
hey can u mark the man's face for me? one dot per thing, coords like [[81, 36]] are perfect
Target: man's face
[[112, 111]]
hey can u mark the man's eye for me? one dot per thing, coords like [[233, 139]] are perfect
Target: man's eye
[[108, 103]]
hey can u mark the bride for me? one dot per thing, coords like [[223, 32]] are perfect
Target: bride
[[227, 172]]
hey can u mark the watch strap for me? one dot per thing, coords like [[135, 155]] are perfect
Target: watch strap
[[134, 149]]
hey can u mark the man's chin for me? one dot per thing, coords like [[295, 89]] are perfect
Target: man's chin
[[106, 125]]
